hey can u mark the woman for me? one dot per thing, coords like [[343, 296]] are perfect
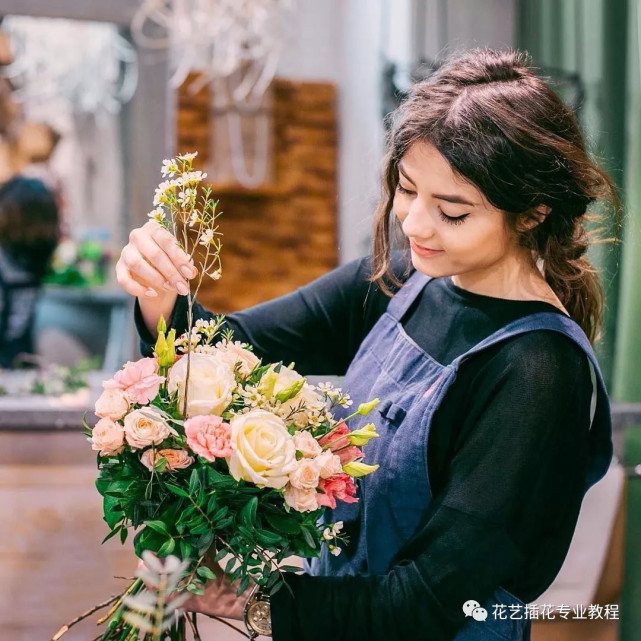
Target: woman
[[29, 234], [481, 358]]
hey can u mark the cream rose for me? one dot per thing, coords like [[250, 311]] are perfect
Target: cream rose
[[113, 404], [233, 352], [306, 475], [307, 396], [145, 427], [176, 459], [329, 464], [263, 451], [301, 500], [107, 437], [211, 383], [307, 445]]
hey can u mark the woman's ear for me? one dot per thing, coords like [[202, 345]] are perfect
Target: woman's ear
[[533, 218]]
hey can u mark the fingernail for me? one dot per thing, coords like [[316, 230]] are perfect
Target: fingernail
[[187, 272], [181, 288], [167, 286], [150, 293]]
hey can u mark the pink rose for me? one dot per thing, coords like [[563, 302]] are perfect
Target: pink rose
[[208, 436], [176, 459], [232, 352], [139, 379], [301, 500], [336, 439], [146, 426], [306, 444], [113, 404], [107, 437], [329, 464], [341, 487], [305, 476]]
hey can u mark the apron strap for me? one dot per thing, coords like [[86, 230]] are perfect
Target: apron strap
[[408, 293]]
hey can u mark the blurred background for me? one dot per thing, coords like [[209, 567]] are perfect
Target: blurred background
[[284, 101]]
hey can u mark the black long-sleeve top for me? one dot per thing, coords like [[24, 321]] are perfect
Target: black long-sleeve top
[[508, 452]]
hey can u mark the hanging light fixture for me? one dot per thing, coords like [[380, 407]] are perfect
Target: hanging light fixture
[[234, 46]]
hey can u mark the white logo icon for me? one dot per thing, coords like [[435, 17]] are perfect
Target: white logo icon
[[473, 609]]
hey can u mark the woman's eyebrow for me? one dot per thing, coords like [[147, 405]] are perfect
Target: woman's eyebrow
[[450, 198]]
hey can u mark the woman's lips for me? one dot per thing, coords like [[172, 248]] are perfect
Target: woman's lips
[[424, 251]]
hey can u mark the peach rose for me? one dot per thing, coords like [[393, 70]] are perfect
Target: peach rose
[[305, 476], [301, 500], [208, 436], [263, 450], [329, 464], [139, 379], [211, 383], [306, 444], [233, 352], [107, 437], [145, 427], [113, 404], [176, 459]]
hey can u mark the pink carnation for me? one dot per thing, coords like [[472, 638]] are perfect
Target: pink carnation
[[340, 486], [208, 436], [139, 379], [336, 439], [349, 454]]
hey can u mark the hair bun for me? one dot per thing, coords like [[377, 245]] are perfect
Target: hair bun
[[481, 66]]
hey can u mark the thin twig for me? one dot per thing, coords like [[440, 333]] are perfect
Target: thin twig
[[221, 620], [65, 628]]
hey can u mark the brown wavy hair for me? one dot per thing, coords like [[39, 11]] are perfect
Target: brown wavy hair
[[503, 129]]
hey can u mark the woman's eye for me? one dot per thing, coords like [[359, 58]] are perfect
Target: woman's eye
[[452, 220], [402, 189]]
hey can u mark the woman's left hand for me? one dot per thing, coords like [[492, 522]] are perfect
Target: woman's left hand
[[219, 599]]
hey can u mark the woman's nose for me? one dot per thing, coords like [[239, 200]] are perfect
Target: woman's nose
[[417, 223]]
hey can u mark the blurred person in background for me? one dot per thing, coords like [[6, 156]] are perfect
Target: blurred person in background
[[29, 234]]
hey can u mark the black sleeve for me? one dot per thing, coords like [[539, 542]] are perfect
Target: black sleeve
[[319, 327], [510, 474]]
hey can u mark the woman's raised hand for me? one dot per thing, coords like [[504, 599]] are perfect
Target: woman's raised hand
[[152, 263], [155, 269]]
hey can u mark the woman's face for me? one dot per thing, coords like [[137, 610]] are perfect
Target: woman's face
[[451, 227]]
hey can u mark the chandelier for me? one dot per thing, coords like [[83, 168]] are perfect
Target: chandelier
[[89, 65]]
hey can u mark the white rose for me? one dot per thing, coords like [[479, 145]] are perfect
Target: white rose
[[107, 437], [307, 445], [233, 352], [263, 451], [301, 500], [113, 404], [329, 464], [145, 427], [305, 476], [211, 383]]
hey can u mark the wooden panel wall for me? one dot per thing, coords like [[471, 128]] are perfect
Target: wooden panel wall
[[283, 234]]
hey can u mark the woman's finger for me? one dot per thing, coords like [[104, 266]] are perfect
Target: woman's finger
[[140, 268], [168, 243], [131, 285]]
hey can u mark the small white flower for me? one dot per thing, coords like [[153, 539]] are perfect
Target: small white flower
[[207, 237], [157, 214], [192, 177], [215, 275], [169, 167], [194, 219], [337, 527], [189, 156], [335, 550], [327, 534]]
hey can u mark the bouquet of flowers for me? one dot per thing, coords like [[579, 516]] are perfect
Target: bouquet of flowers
[[209, 455]]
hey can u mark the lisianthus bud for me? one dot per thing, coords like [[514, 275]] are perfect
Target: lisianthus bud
[[161, 328], [366, 408], [290, 391], [362, 436], [267, 383], [356, 469], [166, 353]]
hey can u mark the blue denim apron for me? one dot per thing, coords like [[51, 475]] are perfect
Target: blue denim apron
[[411, 385]]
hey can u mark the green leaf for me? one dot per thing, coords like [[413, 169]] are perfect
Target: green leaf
[[265, 537], [123, 534], [206, 573], [158, 526], [309, 539], [248, 513], [244, 584], [111, 534], [194, 482], [167, 547], [186, 549], [282, 523], [230, 565], [221, 554], [195, 589]]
